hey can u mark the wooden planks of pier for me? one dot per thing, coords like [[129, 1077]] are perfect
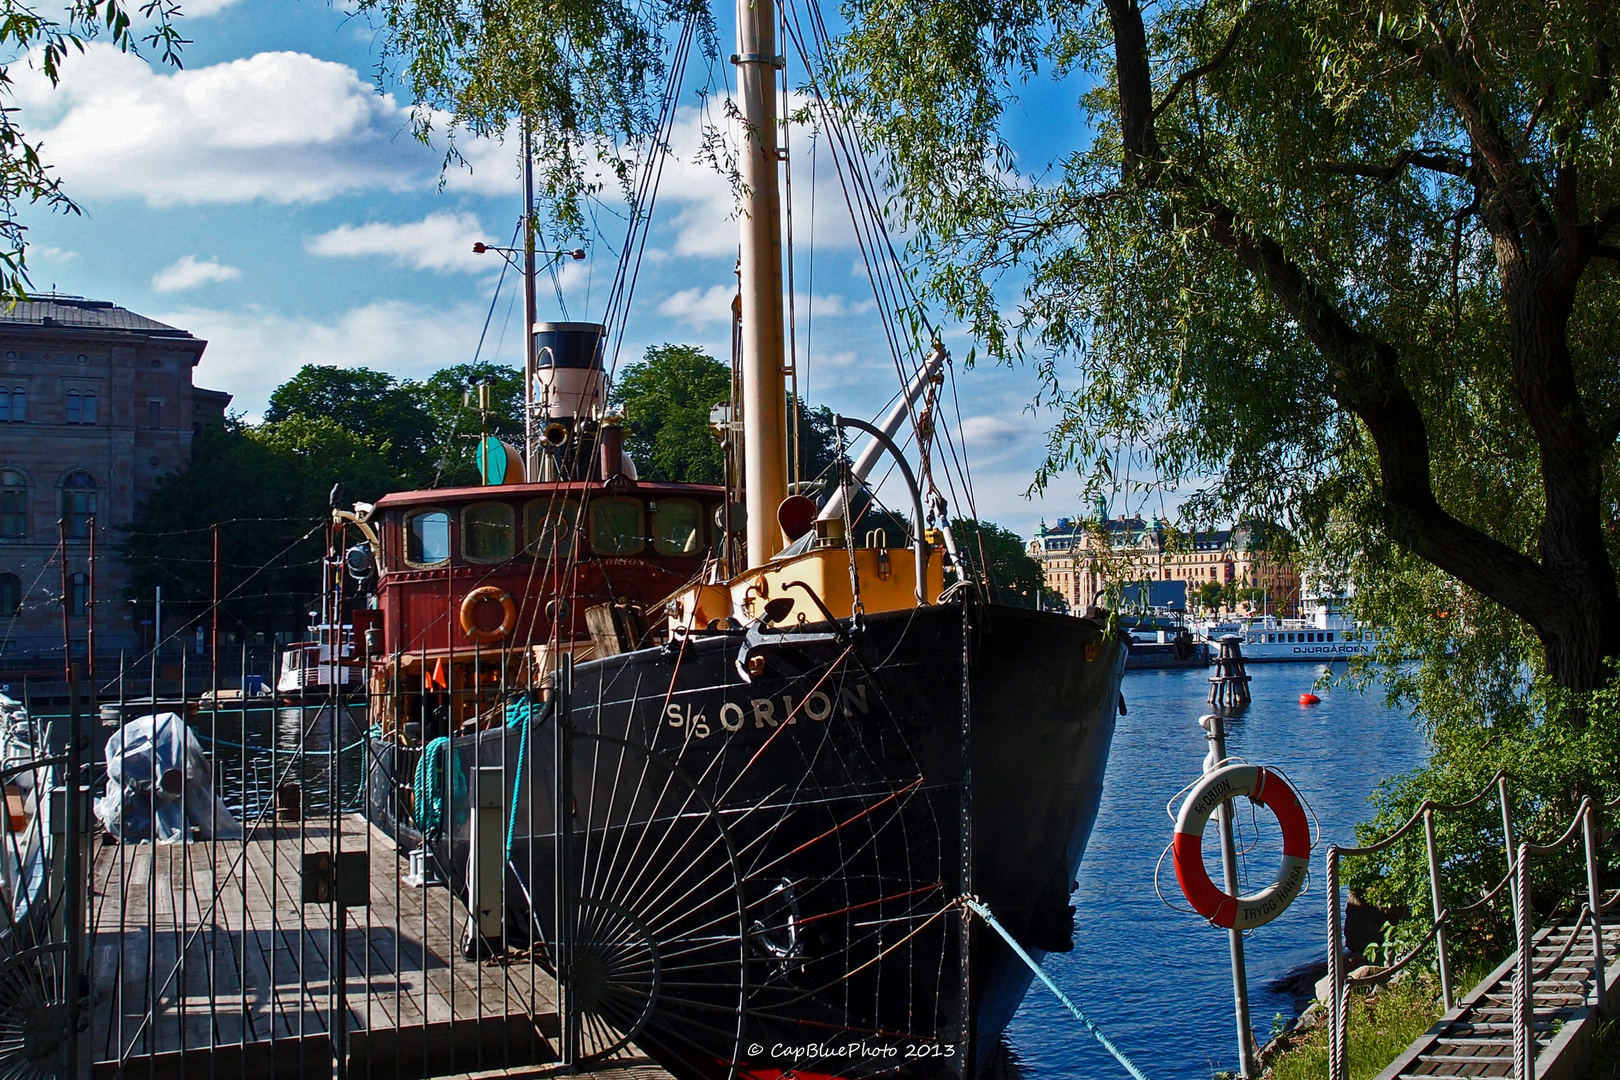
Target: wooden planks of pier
[[204, 962], [1475, 1039]]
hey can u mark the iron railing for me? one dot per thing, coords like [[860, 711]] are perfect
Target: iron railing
[[1516, 881]]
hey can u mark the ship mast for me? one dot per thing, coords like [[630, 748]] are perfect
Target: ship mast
[[531, 460], [764, 389]]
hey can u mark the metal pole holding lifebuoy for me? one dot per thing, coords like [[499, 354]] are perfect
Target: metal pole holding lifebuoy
[[1213, 795], [1215, 731]]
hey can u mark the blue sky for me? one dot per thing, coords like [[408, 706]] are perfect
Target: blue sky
[[269, 199]]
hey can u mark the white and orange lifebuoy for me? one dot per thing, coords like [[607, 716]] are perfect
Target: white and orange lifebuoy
[[473, 626], [1265, 788]]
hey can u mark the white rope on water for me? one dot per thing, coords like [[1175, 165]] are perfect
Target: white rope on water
[[983, 912]]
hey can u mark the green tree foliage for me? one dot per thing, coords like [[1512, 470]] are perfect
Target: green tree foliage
[[999, 557], [666, 400], [265, 490], [48, 41], [1356, 261], [820, 443], [584, 75], [450, 398], [372, 406]]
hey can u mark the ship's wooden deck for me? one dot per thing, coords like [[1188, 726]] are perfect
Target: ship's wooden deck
[[204, 962]]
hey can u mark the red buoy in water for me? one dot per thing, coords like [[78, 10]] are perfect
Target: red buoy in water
[[1309, 699]]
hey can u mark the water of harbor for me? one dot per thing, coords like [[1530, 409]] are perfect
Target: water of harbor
[[1158, 982], [257, 750]]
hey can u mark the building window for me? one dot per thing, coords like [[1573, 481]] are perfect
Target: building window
[[13, 403], [78, 597], [13, 504], [78, 504], [10, 594], [154, 413], [81, 406]]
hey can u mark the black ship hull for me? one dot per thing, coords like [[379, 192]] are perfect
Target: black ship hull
[[769, 834]]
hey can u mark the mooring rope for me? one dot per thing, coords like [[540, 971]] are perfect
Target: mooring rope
[[427, 798], [1119, 1055]]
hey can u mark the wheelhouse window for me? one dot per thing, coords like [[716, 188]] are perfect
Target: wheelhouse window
[[678, 527], [618, 526], [548, 525], [13, 504], [10, 594], [488, 532], [427, 538], [78, 504]]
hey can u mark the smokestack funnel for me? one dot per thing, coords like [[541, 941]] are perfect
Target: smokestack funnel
[[568, 368]]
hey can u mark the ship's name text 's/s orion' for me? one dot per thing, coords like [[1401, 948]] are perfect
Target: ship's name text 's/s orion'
[[763, 712]]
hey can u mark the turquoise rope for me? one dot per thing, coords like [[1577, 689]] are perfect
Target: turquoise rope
[[428, 797], [984, 913], [518, 713]]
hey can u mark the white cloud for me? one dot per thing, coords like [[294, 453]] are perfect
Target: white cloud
[[705, 217], [281, 127], [699, 307], [992, 431], [195, 9], [188, 273], [441, 242], [252, 352]]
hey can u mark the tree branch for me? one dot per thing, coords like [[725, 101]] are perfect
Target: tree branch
[[1195, 73], [1366, 375], [1423, 159]]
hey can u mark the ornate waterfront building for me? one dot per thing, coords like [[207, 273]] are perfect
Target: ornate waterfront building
[[96, 405], [1081, 557]]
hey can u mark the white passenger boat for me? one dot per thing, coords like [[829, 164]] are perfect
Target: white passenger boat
[[1325, 635]]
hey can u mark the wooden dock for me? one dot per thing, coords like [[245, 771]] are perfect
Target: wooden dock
[[204, 962], [1475, 1039]]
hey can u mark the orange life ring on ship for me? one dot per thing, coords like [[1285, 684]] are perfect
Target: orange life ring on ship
[[473, 603], [1267, 789]]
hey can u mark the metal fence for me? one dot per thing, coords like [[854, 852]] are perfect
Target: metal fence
[[1517, 882]]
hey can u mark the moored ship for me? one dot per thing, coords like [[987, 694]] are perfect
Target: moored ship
[[726, 762]]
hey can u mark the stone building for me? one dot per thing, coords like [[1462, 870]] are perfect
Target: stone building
[[96, 405], [1081, 558]]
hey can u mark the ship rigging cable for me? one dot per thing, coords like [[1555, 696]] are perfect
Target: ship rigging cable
[[1119, 1055]]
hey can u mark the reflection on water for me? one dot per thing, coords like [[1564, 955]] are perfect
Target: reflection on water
[[1157, 982], [256, 749]]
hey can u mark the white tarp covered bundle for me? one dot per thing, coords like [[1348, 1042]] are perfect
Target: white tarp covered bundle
[[157, 779]]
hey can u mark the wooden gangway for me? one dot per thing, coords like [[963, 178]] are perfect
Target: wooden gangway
[[1475, 1039], [205, 963]]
